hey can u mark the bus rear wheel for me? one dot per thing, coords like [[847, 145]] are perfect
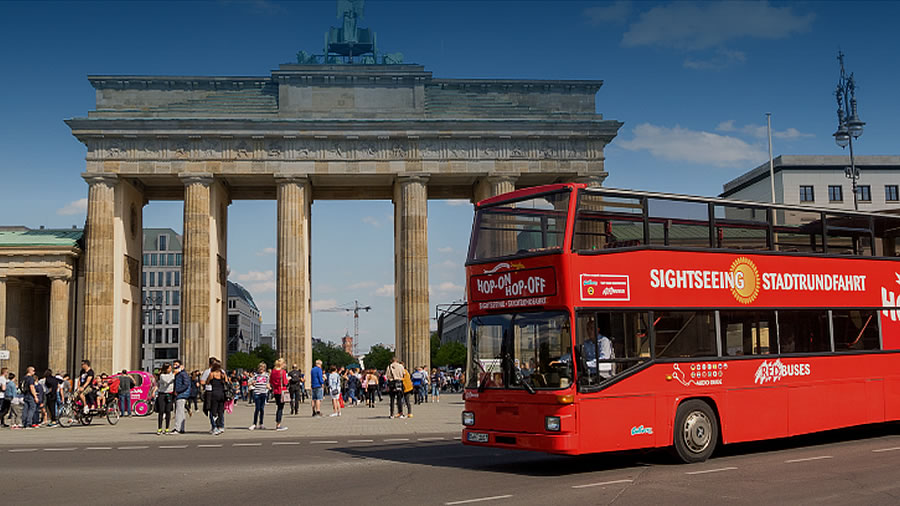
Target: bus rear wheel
[[696, 431]]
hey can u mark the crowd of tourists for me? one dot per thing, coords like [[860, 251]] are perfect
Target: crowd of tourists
[[34, 401]]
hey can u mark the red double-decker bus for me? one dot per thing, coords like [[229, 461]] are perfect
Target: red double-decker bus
[[603, 320]]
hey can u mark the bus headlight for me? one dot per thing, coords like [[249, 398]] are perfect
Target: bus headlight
[[551, 423], [468, 418]]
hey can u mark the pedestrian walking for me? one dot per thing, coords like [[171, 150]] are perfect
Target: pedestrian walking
[[16, 401], [317, 385], [195, 392], [4, 399], [279, 382], [407, 390], [418, 382], [259, 384], [295, 381], [394, 375], [218, 391], [371, 387], [51, 395], [125, 386], [182, 393], [31, 399], [334, 388], [435, 385], [165, 398]]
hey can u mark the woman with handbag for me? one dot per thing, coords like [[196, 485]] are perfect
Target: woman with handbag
[[165, 398], [221, 389], [260, 391], [279, 381]]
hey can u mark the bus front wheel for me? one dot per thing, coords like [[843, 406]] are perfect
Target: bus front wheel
[[696, 431]]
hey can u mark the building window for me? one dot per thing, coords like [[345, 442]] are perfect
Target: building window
[[153, 259], [865, 193], [890, 193], [807, 194], [159, 336], [152, 279], [177, 278], [177, 258], [163, 240], [835, 193], [168, 278], [143, 279], [146, 259], [175, 334], [176, 317], [176, 298], [171, 259], [168, 300]]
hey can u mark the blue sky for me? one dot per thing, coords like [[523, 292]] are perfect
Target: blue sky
[[691, 81]]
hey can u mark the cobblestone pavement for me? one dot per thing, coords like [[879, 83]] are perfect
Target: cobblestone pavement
[[428, 419]]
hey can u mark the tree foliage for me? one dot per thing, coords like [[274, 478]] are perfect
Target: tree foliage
[[378, 357], [241, 360], [451, 354], [331, 354], [435, 346]]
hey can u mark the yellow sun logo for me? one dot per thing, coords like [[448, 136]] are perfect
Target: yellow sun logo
[[746, 280]]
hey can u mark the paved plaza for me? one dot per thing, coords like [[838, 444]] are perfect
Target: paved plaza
[[359, 422]]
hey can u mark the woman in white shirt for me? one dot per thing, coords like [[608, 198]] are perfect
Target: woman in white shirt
[[334, 388], [259, 384]]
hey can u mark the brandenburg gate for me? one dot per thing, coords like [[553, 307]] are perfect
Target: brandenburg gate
[[307, 132]]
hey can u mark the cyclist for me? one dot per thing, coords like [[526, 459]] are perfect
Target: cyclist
[[84, 385]]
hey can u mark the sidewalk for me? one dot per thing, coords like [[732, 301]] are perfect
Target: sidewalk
[[431, 418]]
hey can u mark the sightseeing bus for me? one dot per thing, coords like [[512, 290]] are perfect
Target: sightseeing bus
[[604, 320]]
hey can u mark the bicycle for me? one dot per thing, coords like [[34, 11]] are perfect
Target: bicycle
[[73, 411]]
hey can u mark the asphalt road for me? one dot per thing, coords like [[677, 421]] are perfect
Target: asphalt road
[[857, 466]]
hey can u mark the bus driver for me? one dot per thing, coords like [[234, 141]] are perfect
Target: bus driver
[[596, 349]]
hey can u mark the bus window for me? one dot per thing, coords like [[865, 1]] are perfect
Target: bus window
[[604, 222], [678, 223], [798, 231], [741, 227], [803, 331], [609, 343], [484, 350], [748, 332], [540, 343], [685, 334], [848, 235], [521, 227], [855, 329]]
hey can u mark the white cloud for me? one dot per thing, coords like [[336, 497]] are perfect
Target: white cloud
[[615, 12], [759, 131], [325, 288], [75, 207], [262, 287], [256, 276], [703, 25], [446, 249], [458, 202], [448, 264], [684, 145], [362, 284], [722, 58], [266, 251], [385, 291], [370, 220], [449, 286], [323, 304]]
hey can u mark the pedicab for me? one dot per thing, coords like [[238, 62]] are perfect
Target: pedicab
[[141, 403]]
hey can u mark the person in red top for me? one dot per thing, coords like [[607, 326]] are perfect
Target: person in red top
[[279, 381]]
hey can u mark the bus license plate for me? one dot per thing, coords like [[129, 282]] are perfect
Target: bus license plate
[[477, 437]]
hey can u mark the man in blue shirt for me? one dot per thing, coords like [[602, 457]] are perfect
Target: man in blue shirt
[[316, 383]]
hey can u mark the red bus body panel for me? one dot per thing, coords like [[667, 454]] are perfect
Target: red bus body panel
[[756, 397]]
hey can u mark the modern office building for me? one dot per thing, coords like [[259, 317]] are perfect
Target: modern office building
[[820, 181], [244, 322], [161, 297]]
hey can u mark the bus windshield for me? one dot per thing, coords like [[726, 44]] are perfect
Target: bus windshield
[[515, 350], [520, 227]]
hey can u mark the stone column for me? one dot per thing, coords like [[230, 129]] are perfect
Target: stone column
[[99, 273], [411, 270], [3, 344], [195, 280], [59, 323], [491, 186], [488, 187], [293, 310]]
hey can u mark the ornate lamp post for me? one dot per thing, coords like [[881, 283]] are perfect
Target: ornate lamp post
[[850, 127], [153, 308]]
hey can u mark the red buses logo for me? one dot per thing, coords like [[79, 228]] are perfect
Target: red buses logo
[[746, 277], [605, 287]]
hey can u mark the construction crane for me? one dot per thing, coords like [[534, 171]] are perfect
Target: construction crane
[[355, 309]]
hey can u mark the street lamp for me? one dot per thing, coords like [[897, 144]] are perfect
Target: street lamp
[[152, 308], [850, 127]]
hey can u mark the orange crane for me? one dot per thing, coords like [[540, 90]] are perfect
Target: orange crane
[[355, 309]]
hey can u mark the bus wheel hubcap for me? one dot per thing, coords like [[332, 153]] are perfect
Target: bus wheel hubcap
[[697, 431]]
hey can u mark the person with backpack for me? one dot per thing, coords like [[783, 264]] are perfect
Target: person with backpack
[[294, 385], [182, 393]]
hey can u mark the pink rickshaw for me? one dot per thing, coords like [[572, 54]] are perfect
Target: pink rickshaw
[[141, 403]]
